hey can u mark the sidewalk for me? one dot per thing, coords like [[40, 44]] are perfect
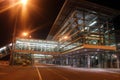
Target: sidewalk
[[113, 69], [4, 63], [110, 70]]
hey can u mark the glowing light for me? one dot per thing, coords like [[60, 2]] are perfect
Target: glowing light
[[8, 7], [25, 34], [93, 23], [65, 37], [24, 2], [114, 56], [10, 44], [30, 36]]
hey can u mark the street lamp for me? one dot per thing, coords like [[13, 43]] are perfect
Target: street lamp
[[24, 2], [24, 34], [65, 37]]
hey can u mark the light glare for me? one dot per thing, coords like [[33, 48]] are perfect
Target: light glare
[[65, 37], [24, 2], [93, 23], [24, 33]]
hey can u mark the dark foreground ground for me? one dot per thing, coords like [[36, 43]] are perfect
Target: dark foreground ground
[[52, 72]]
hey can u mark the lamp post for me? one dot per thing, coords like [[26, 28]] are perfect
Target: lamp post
[[23, 2], [13, 42], [25, 34]]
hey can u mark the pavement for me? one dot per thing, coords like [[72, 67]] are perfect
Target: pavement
[[55, 72], [111, 70], [4, 63]]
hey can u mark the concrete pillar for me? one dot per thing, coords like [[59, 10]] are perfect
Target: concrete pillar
[[61, 60], [32, 62], [100, 60], [67, 61], [111, 61], [88, 61], [118, 61], [71, 60], [85, 61], [105, 60]]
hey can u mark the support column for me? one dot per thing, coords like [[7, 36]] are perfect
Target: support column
[[71, 60], [111, 61], [67, 61], [32, 62], [99, 60], [88, 61], [118, 61], [105, 60]]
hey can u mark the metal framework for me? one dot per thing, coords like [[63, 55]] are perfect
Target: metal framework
[[86, 35]]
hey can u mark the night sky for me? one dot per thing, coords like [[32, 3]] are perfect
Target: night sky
[[41, 19]]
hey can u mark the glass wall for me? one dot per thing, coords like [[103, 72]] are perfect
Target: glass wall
[[24, 54], [36, 45], [86, 27]]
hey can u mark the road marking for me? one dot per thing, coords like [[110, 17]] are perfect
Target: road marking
[[40, 77], [58, 74]]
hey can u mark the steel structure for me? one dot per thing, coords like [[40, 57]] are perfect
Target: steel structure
[[88, 35]]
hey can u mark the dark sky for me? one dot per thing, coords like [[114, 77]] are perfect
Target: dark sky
[[42, 18]]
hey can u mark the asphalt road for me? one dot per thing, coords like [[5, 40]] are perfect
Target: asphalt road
[[52, 72]]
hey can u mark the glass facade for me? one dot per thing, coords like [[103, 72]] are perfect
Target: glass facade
[[36, 45], [85, 27], [80, 28], [28, 50], [86, 34]]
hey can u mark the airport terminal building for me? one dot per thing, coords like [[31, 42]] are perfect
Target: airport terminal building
[[87, 32], [83, 35]]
